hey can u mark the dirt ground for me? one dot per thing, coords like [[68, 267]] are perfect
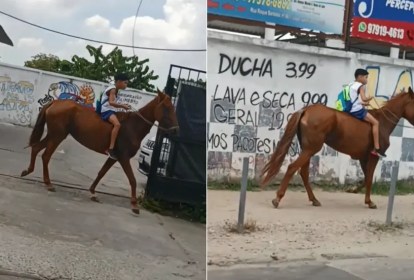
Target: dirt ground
[[343, 227]]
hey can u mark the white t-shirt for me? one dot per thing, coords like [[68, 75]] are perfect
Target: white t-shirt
[[105, 98], [353, 94]]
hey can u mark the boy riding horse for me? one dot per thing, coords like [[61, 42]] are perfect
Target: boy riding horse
[[356, 90], [109, 105]]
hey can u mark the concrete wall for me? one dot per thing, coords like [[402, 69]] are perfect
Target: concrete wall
[[24, 91], [254, 85]]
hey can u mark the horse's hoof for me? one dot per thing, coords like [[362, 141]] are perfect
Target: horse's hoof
[[372, 205], [316, 203], [24, 173], [95, 198], [51, 188], [135, 209], [275, 203]]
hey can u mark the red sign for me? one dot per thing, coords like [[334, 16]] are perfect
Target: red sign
[[395, 32]]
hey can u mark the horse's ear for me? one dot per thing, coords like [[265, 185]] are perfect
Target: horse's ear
[[161, 95]]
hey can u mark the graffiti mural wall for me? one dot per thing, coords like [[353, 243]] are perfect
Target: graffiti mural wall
[[17, 97], [83, 94], [254, 87], [24, 92]]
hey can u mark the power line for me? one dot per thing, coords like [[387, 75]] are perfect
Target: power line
[[102, 42], [133, 29]]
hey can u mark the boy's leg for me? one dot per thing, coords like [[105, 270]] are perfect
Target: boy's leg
[[369, 118], [114, 121], [375, 131]]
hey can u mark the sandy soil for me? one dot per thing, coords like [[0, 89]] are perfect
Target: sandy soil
[[342, 228]]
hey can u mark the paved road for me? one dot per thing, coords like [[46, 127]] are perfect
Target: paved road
[[71, 164], [351, 269], [64, 235]]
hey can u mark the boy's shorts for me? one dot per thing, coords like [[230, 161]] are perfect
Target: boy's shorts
[[361, 114], [106, 115]]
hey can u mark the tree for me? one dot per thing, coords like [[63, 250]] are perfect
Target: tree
[[102, 68], [46, 62]]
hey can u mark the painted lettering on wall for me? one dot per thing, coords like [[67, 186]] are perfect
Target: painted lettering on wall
[[217, 141], [15, 100], [130, 98], [245, 66], [298, 71], [229, 105], [248, 144]]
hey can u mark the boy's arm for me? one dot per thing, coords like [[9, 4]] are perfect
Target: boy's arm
[[112, 101], [364, 98]]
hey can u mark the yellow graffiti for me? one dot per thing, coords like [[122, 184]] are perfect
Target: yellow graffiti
[[404, 81], [87, 94]]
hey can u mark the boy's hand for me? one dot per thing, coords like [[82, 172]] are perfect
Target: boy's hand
[[127, 106]]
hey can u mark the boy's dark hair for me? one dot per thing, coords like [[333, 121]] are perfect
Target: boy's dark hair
[[360, 72], [121, 77]]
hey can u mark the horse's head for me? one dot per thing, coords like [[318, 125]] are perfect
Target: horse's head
[[164, 113], [408, 112]]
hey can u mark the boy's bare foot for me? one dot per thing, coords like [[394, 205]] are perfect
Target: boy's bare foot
[[377, 153]]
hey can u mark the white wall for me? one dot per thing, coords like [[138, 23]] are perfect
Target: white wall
[[24, 91], [247, 110]]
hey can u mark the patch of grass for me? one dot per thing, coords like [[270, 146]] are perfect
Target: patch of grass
[[178, 210], [249, 226], [380, 227], [252, 185], [403, 187]]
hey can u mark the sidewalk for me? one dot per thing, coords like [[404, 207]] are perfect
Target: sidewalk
[[352, 269]]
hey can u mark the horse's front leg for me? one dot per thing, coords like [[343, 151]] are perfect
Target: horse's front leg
[[369, 174], [126, 166], [108, 164]]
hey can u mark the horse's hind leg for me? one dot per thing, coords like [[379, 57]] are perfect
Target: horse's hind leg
[[303, 158], [36, 148], [51, 146], [304, 173], [108, 164]]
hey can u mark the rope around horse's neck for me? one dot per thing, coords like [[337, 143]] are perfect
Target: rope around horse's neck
[[153, 123], [383, 110]]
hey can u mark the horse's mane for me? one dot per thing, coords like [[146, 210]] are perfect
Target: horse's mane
[[394, 98], [124, 115]]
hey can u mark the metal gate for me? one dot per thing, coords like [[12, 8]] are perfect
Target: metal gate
[[178, 164]]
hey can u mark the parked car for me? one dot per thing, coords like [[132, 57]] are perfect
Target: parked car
[[145, 155]]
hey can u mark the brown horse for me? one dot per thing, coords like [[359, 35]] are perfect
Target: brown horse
[[64, 117], [318, 124]]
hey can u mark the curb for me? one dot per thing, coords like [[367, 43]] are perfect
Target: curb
[[4, 272]]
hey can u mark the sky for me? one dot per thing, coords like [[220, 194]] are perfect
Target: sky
[[178, 24]]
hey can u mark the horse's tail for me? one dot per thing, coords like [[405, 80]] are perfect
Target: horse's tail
[[275, 162], [39, 127]]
